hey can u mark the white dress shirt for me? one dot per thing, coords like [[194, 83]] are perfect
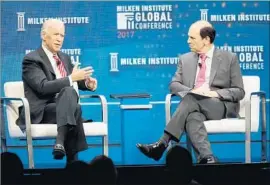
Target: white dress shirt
[[208, 63]]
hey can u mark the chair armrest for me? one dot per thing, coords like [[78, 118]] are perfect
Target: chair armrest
[[168, 106], [104, 105], [28, 127], [26, 112], [262, 96]]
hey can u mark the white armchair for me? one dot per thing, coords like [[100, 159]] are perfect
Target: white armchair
[[249, 117], [14, 97]]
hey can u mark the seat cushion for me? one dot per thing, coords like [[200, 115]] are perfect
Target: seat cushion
[[235, 125], [50, 130], [40, 130], [229, 125]]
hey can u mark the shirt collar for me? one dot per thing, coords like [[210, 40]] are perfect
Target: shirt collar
[[210, 53], [48, 52]]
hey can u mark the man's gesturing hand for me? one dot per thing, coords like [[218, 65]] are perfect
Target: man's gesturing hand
[[80, 74], [91, 83]]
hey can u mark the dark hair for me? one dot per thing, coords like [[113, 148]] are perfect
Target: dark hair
[[11, 168], [102, 170], [208, 32], [76, 172], [179, 164]]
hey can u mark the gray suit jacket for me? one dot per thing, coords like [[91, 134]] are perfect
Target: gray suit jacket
[[225, 78]]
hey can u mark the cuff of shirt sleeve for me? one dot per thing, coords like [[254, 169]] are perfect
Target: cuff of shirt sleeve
[[219, 96]]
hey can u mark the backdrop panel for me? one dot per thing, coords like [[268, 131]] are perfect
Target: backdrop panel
[[134, 48]]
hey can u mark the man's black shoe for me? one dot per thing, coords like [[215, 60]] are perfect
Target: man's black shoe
[[154, 150], [58, 152]]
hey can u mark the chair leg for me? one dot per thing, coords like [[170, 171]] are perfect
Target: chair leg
[[105, 145], [30, 153], [264, 132], [248, 146], [3, 145], [3, 128], [248, 133], [3, 138], [247, 149]]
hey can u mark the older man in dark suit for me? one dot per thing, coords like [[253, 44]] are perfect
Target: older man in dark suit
[[51, 85], [210, 83]]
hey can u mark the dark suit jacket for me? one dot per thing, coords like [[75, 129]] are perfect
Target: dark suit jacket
[[225, 78], [40, 83]]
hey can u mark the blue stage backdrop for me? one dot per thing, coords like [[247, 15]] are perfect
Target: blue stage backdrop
[[133, 48]]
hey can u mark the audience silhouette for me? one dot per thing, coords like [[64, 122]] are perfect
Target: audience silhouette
[[11, 168], [102, 170], [77, 173], [179, 165]]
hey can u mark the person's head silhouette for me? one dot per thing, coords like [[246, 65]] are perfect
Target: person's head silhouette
[[11, 168], [103, 170], [179, 164]]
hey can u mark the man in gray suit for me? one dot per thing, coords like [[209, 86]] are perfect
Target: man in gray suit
[[210, 83]]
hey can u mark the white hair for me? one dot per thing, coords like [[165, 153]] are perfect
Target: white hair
[[50, 23]]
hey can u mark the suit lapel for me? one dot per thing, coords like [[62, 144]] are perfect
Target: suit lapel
[[46, 59], [215, 65], [193, 69]]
